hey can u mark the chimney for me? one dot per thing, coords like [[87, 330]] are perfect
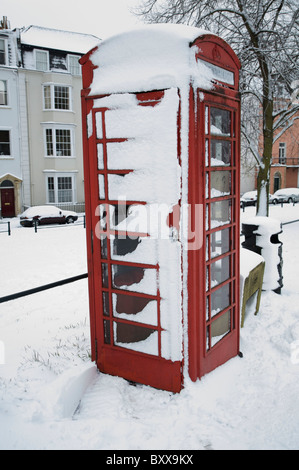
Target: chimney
[[4, 23]]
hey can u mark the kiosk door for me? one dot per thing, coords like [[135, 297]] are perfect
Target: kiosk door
[[126, 278], [218, 146]]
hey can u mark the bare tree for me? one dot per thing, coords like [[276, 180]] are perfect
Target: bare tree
[[265, 36]]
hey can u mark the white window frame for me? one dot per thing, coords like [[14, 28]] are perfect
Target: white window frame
[[53, 127], [71, 66], [5, 51], [282, 153], [52, 97], [36, 51], [10, 156], [7, 94], [56, 175]]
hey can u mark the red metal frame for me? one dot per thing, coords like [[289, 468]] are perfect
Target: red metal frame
[[202, 355]]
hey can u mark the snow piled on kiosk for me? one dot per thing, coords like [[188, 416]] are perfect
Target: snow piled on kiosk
[[154, 57], [150, 58]]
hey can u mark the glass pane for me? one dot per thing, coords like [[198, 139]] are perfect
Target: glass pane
[[134, 278], [208, 338], [47, 96], [130, 304], [133, 218], [4, 143], [49, 142], [207, 158], [207, 186], [220, 213], [220, 152], [119, 155], [220, 242], [41, 60], [104, 275], [207, 120], [101, 211], [126, 275], [119, 213], [106, 304], [3, 93], [101, 186], [2, 52], [61, 97], [220, 122], [122, 245], [220, 299], [220, 271], [207, 217], [100, 156], [132, 307], [51, 189], [99, 125], [74, 66], [136, 337], [133, 249], [65, 193], [104, 248], [220, 327], [207, 308], [107, 336], [63, 142], [220, 183]]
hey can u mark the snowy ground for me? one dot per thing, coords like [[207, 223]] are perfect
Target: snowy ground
[[248, 403]]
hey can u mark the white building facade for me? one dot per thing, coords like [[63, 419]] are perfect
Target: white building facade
[[53, 84], [10, 143], [41, 156]]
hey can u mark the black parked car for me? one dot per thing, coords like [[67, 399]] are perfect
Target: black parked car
[[46, 215]]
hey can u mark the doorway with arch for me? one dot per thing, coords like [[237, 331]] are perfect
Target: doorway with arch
[[7, 197]]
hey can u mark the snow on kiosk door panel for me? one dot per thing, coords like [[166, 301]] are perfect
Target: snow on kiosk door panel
[[161, 166]]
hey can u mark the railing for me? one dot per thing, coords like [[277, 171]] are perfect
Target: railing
[[35, 290], [37, 226], [8, 228], [81, 221], [287, 161]]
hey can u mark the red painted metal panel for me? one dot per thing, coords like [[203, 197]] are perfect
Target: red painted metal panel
[[156, 372]]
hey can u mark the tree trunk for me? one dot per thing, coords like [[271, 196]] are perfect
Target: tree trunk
[[263, 177]]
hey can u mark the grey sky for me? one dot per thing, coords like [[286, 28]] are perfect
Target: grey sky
[[99, 17]]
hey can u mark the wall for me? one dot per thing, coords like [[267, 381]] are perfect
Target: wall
[[38, 119]]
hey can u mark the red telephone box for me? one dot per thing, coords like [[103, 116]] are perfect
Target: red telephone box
[[161, 120]]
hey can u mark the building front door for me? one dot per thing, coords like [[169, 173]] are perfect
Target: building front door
[[7, 201]]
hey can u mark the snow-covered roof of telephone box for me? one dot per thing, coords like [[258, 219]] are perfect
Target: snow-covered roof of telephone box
[[149, 57], [49, 38]]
